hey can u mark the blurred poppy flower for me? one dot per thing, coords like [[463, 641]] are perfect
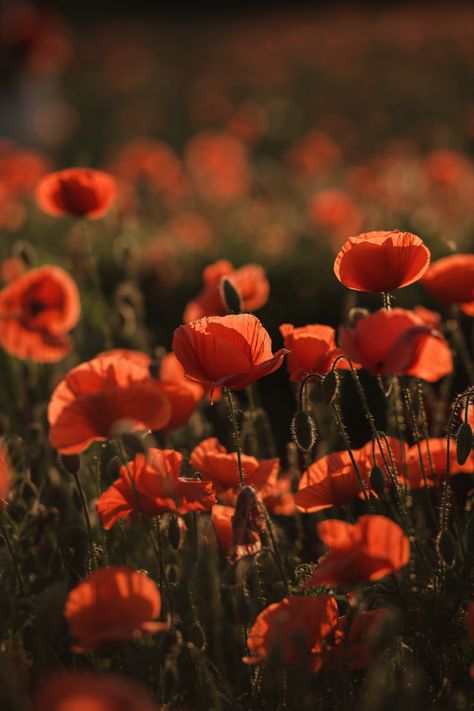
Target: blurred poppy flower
[[237, 529], [313, 154], [451, 280], [438, 453], [352, 640], [293, 630], [213, 461], [112, 605], [81, 192], [397, 342], [151, 485], [221, 517], [86, 691], [168, 376], [37, 309], [229, 351], [217, 163], [335, 211], [381, 261], [373, 547], [250, 282], [11, 268], [5, 473], [312, 349], [430, 318], [332, 481], [96, 395]]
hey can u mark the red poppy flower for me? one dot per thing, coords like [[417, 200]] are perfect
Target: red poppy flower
[[229, 351], [215, 463], [438, 453], [250, 281], [430, 318], [353, 637], [294, 630], [451, 280], [397, 342], [37, 309], [151, 485], [96, 395], [112, 605], [235, 536], [373, 547], [11, 268], [5, 473], [312, 349], [332, 481], [82, 192], [183, 394], [83, 691], [381, 261]]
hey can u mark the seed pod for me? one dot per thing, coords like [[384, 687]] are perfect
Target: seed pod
[[303, 430], [70, 463], [446, 548], [463, 443], [356, 314], [377, 481], [230, 296], [329, 387], [174, 533]]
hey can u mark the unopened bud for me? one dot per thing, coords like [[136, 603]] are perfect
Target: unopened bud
[[70, 463], [463, 443], [25, 251], [329, 387], [377, 481], [303, 430], [446, 548], [174, 533], [230, 296]]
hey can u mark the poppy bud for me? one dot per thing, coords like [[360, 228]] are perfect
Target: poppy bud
[[463, 443], [446, 548], [197, 636], [174, 533], [25, 251], [230, 296], [127, 320], [113, 467], [377, 481], [356, 314], [70, 463], [303, 430], [329, 387]]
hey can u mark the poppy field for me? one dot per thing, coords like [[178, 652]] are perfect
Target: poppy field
[[236, 361]]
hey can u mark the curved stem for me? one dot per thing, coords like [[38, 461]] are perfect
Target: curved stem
[[342, 429]]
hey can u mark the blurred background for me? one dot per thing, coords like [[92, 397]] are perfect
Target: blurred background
[[264, 137]]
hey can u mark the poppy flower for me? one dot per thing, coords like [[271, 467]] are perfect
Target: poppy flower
[[37, 309], [86, 691], [183, 394], [96, 395], [430, 318], [312, 349], [438, 454], [229, 351], [293, 630], [332, 481], [250, 282], [81, 192], [11, 268], [352, 640], [397, 342], [373, 547], [215, 463], [451, 280], [151, 485], [5, 473], [112, 605], [381, 261], [236, 531]]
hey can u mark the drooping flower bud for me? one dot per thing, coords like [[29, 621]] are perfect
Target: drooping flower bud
[[230, 296], [303, 430], [464, 443], [446, 548]]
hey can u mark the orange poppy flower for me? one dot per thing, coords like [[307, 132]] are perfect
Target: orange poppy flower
[[112, 605], [373, 547], [37, 309], [96, 395], [430, 318], [81, 192], [229, 351], [332, 481], [438, 453], [397, 342], [381, 261], [183, 394], [250, 281], [352, 638], [11, 268], [5, 473], [86, 691], [294, 630], [451, 280], [312, 349], [151, 485], [215, 463]]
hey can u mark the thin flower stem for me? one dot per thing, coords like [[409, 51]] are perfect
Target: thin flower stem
[[87, 520], [97, 283], [342, 429], [424, 426], [252, 416], [235, 428], [275, 550]]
